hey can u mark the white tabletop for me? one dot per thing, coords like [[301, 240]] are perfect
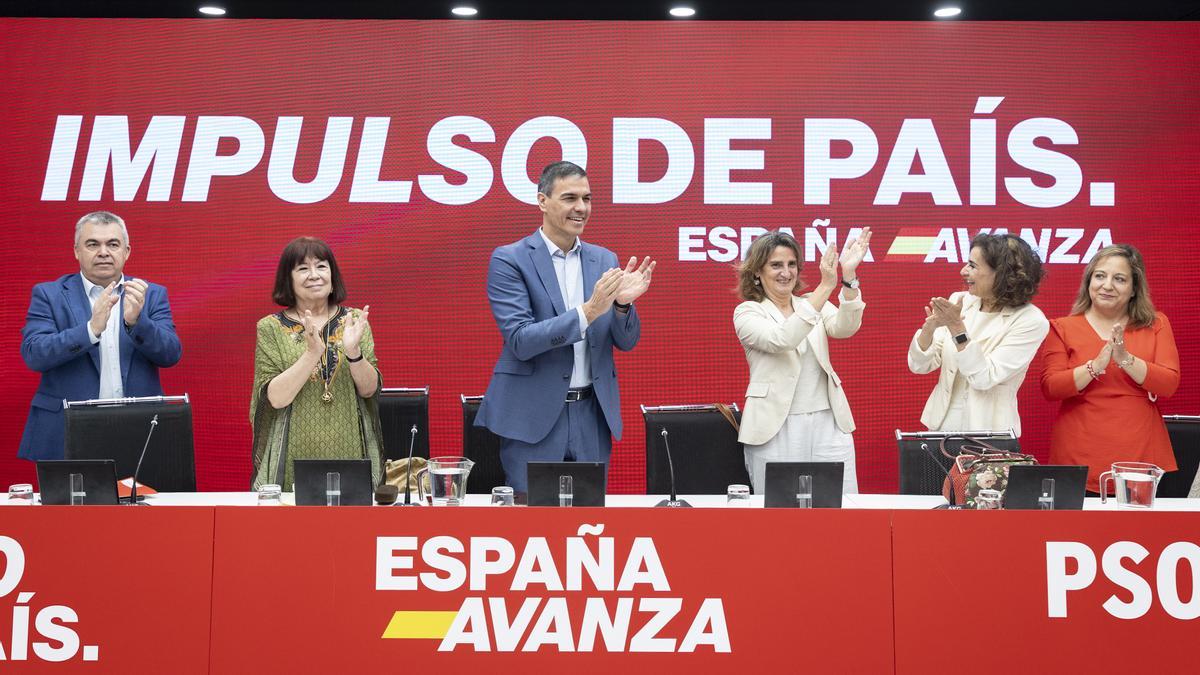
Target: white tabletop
[[851, 501]]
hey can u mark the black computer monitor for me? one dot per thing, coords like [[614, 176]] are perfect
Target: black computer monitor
[[783, 481], [99, 481], [311, 480], [588, 478], [1024, 488]]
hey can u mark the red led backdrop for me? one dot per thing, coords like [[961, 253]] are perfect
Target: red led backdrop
[[409, 147]]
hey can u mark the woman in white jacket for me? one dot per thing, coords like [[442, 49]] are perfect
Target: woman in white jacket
[[983, 339], [795, 408]]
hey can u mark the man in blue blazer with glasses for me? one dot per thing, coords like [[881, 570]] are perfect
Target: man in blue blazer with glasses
[[562, 305]]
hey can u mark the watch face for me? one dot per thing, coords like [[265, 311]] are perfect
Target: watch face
[[961, 338]]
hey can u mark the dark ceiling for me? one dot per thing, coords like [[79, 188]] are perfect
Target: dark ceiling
[[895, 10]]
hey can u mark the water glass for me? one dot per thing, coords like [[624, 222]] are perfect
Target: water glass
[[20, 494], [566, 491], [333, 489], [804, 491], [988, 500], [737, 496], [270, 495], [502, 495], [1046, 496], [78, 495]]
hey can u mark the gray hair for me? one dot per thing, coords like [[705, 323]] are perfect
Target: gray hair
[[101, 218], [555, 171]]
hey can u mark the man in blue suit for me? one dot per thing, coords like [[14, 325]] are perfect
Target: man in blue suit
[[562, 305], [93, 334]]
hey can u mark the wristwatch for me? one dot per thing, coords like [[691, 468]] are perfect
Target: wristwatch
[[852, 284], [961, 338]]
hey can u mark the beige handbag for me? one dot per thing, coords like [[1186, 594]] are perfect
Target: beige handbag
[[397, 472]]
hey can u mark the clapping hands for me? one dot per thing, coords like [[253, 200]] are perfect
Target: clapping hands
[[941, 312], [856, 250], [635, 280], [353, 330]]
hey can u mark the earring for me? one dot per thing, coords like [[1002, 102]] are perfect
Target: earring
[[757, 281]]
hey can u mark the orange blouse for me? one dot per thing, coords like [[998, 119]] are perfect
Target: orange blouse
[[1113, 419]]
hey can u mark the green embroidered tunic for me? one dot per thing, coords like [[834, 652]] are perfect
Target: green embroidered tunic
[[346, 427]]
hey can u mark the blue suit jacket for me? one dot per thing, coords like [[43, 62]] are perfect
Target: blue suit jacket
[[56, 343], [529, 384]]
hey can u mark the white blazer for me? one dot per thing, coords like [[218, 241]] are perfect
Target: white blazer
[[994, 363], [772, 352]]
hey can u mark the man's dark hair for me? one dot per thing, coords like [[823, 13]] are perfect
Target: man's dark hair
[[555, 171]]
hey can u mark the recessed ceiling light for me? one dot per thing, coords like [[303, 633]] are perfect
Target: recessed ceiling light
[[212, 10], [464, 11], [947, 12], [683, 12]]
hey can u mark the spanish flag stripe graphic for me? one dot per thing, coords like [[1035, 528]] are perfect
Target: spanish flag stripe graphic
[[913, 241], [419, 625], [911, 245]]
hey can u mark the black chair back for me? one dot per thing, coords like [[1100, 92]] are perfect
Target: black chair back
[[118, 432], [923, 468], [399, 409], [704, 447], [1185, 440], [481, 446]]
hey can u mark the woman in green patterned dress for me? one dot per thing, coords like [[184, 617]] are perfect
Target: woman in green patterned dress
[[315, 374]]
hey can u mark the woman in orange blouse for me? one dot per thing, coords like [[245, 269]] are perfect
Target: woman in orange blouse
[[1108, 362]]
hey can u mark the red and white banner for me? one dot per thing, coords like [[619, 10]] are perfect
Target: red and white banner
[[105, 589], [410, 147], [697, 590], [1061, 592]]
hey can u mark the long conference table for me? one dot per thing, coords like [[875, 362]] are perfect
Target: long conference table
[[209, 583]]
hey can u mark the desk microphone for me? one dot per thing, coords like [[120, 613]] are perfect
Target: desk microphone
[[674, 501], [412, 441], [133, 490]]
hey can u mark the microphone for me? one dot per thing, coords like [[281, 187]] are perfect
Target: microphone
[[133, 499], [674, 501], [412, 441]]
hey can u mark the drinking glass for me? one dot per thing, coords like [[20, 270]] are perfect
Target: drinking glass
[[737, 496], [566, 490], [333, 489], [502, 495], [804, 491], [988, 500], [20, 494], [270, 495], [78, 495], [1046, 496]]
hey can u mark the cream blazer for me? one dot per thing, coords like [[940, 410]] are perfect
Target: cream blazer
[[994, 363], [772, 352]]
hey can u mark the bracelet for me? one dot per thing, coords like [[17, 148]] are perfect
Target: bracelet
[[623, 308], [1092, 371], [354, 360], [1124, 365]]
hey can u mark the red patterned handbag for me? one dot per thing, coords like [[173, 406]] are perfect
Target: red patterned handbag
[[978, 466]]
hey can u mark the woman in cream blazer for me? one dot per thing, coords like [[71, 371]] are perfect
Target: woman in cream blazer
[[795, 407], [982, 339]]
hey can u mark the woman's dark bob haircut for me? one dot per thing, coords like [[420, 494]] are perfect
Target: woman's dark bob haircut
[[1018, 268], [293, 254]]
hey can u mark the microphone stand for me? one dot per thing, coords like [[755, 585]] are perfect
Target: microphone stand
[[674, 501], [133, 490], [412, 440]]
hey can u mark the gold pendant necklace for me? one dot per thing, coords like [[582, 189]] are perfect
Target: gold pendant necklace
[[323, 367]]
